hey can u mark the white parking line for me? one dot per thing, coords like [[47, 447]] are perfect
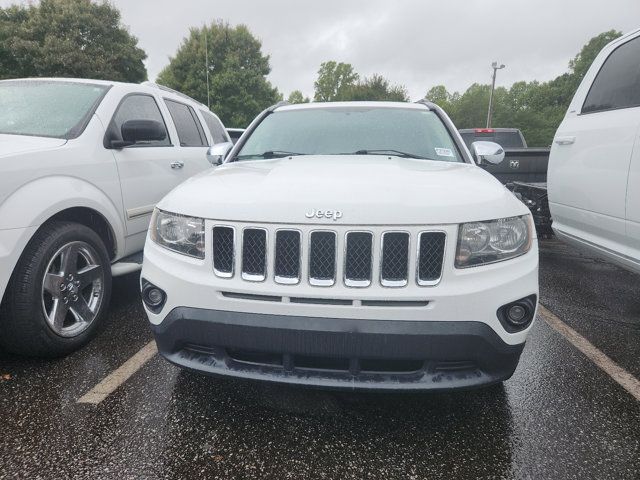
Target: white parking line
[[107, 386], [617, 373]]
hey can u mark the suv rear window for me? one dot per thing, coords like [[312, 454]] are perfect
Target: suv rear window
[[190, 131], [47, 108], [215, 127]]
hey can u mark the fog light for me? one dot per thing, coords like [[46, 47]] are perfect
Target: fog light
[[152, 296], [516, 314]]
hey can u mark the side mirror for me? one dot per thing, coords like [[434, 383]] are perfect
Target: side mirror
[[136, 131], [488, 152], [217, 153]]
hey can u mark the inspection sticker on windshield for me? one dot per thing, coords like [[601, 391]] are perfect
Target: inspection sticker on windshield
[[444, 152]]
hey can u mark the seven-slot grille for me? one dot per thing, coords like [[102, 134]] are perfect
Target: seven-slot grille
[[390, 250]]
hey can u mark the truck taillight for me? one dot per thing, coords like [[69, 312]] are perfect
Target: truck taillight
[[484, 130]]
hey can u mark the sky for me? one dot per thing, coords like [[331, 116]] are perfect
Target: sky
[[415, 43]]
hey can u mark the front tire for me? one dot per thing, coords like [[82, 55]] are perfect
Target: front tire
[[58, 293]]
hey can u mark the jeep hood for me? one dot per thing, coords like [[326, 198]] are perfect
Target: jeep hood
[[367, 190], [16, 144]]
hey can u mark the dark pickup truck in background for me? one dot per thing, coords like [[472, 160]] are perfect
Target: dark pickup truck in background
[[523, 170]]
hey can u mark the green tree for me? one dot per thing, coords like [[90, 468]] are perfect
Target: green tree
[[68, 38], [375, 88], [238, 88], [581, 63], [297, 97], [333, 80], [535, 108]]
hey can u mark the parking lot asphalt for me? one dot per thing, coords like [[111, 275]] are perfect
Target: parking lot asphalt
[[560, 416]]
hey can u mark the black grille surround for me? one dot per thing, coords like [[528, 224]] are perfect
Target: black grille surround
[[223, 250], [322, 258], [394, 267], [254, 254], [431, 247], [340, 255], [358, 259], [287, 256]]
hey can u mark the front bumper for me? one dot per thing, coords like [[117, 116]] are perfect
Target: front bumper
[[337, 352]]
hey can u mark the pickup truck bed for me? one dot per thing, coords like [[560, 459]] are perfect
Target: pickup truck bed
[[521, 165]]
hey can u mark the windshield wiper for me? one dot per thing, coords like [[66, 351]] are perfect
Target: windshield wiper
[[396, 153], [269, 154]]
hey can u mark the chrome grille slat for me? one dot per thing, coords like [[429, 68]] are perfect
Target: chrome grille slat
[[430, 257], [358, 259], [223, 239], [287, 257], [322, 258], [254, 254], [394, 266]]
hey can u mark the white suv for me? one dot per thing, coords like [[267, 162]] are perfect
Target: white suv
[[352, 245], [82, 165], [594, 166]]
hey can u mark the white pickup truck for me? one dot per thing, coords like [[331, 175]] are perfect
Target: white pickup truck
[[594, 167], [82, 165], [347, 245]]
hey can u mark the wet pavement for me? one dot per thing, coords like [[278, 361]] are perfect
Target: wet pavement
[[559, 417]]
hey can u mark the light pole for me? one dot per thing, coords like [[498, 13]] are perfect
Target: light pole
[[495, 67]]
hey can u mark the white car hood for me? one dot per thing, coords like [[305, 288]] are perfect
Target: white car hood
[[367, 190], [17, 144]]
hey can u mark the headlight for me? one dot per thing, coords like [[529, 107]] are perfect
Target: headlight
[[493, 241], [179, 233]]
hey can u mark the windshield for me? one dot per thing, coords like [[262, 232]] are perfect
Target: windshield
[[47, 108], [406, 132]]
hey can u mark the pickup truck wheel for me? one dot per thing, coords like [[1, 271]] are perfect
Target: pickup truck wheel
[[58, 292]]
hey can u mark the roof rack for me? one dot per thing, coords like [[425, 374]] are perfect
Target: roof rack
[[175, 92], [281, 103], [426, 103]]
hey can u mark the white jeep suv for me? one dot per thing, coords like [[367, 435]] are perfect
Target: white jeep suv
[[348, 245], [82, 165]]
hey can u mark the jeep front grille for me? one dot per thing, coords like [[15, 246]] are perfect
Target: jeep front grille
[[391, 258]]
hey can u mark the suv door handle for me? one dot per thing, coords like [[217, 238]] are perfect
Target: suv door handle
[[177, 164], [565, 140]]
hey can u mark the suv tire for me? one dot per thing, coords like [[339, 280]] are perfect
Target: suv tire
[[58, 292]]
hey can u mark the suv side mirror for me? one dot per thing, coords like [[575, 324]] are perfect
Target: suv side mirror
[[139, 131], [488, 152], [217, 153]]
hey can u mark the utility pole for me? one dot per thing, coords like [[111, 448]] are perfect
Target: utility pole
[[206, 64], [495, 67]]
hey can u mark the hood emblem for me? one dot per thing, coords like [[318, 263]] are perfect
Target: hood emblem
[[514, 163], [333, 214]]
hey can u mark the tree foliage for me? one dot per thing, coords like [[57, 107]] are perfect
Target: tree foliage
[[68, 38], [375, 88], [297, 97], [535, 108], [238, 88], [334, 79], [339, 82]]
